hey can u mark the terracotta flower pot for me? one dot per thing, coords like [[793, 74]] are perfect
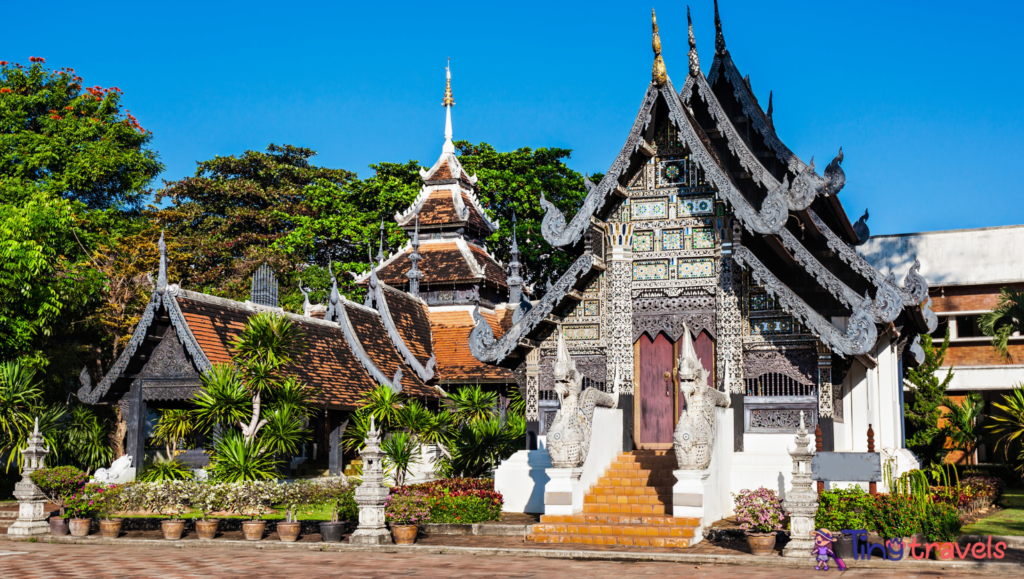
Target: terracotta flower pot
[[331, 532], [110, 528], [289, 532], [761, 543], [173, 530], [58, 527], [80, 527], [939, 555], [403, 534], [207, 530], [253, 530]]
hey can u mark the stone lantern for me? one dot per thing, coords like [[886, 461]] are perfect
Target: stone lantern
[[32, 513], [371, 495], [801, 502]]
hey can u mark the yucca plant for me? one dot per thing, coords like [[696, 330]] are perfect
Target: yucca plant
[[471, 404], [354, 437], [401, 451], [385, 405], [1008, 425], [175, 425], [161, 470], [963, 423], [1004, 320], [234, 460], [20, 397], [87, 438], [284, 432], [223, 399]]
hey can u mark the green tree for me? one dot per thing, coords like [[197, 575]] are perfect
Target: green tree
[[1008, 425], [1006, 319], [511, 183], [229, 217], [927, 439]]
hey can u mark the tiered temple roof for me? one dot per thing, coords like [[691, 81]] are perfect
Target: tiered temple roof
[[790, 230]]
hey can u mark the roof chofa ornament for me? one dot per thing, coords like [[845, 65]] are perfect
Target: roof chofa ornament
[[448, 103], [694, 61], [719, 38], [658, 75]]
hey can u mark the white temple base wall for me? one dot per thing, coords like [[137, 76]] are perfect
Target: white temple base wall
[[704, 494], [564, 492], [764, 462], [521, 479]]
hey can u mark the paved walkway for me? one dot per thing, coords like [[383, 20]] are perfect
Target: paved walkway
[[42, 560]]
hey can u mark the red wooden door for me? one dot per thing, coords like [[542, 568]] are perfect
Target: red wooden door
[[704, 346], [656, 394]]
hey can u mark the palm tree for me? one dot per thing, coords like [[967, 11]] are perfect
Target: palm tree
[[471, 404], [174, 426], [1009, 425], [266, 346], [19, 397], [385, 405], [223, 400], [1005, 320], [963, 423]]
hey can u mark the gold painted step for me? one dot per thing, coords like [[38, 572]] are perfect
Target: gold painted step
[[627, 506]]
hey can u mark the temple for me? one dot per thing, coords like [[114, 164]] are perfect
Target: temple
[[411, 334], [707, 228]]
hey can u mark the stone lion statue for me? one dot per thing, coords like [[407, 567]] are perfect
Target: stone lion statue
[[694, 437], [568, 437]]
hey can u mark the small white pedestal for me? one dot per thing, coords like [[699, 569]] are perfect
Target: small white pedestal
[[689, 498], [521, 479], [558, 491]]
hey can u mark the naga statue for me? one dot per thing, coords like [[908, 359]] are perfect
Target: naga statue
[[568, 437], [694, 438]]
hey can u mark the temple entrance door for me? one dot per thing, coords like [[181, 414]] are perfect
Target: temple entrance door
[[656, 412]]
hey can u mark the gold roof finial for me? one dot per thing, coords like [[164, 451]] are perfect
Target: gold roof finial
[[694, 61], [658, 74], [448, 100]]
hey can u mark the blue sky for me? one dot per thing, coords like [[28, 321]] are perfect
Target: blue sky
[[924, 97]]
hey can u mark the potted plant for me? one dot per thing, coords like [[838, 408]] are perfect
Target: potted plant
[[58, 484], [759, 513], [253, 498], [207, 497], [337, 494], [108, 499], [169, 499], [293, 495], [79, 508], [941, 524], [405, 513]]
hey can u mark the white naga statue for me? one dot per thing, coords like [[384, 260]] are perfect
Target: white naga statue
[[568, 437], [694, 438], [117, 471]]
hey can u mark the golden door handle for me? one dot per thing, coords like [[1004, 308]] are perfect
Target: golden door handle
[[668, 383]]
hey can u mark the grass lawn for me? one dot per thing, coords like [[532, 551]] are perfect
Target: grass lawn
[[1009, 521]]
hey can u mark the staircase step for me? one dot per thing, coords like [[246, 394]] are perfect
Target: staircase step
[[626, 499], [627, 509], [620, 519], [620, 491], [637, 541], [633, 530]]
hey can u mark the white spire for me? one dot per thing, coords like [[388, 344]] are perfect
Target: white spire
[[449, 147]]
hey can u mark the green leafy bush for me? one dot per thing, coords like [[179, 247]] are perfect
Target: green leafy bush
[[848, 508], [941, 523], [463, 509], [59, 483], [894, 516], [407, 510]]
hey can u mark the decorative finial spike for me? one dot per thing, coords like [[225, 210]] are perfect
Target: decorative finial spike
[[694, 61], [380, 250], [719, 38], [770, 109], [658, 75], [161, 279], [449, 102]]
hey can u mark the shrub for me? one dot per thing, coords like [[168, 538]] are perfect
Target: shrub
[[407, 510], [455, 487], [848, 508], [59, 483], [941, 523], [893, 516], [338, 494], [463, 509], [162, 470], [207, 497], [252, 498], [170, 498], [758, 511]]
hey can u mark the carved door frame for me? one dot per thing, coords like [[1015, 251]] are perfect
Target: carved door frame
[[638, 404]]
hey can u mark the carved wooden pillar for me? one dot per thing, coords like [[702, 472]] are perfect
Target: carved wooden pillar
[[336, 422], [826, 398], [136, 435], [729, 322], [619, 323], [532, 397]]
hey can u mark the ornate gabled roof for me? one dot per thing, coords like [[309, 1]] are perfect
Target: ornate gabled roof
[[442, 261], [406, 324], [451, 328]]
